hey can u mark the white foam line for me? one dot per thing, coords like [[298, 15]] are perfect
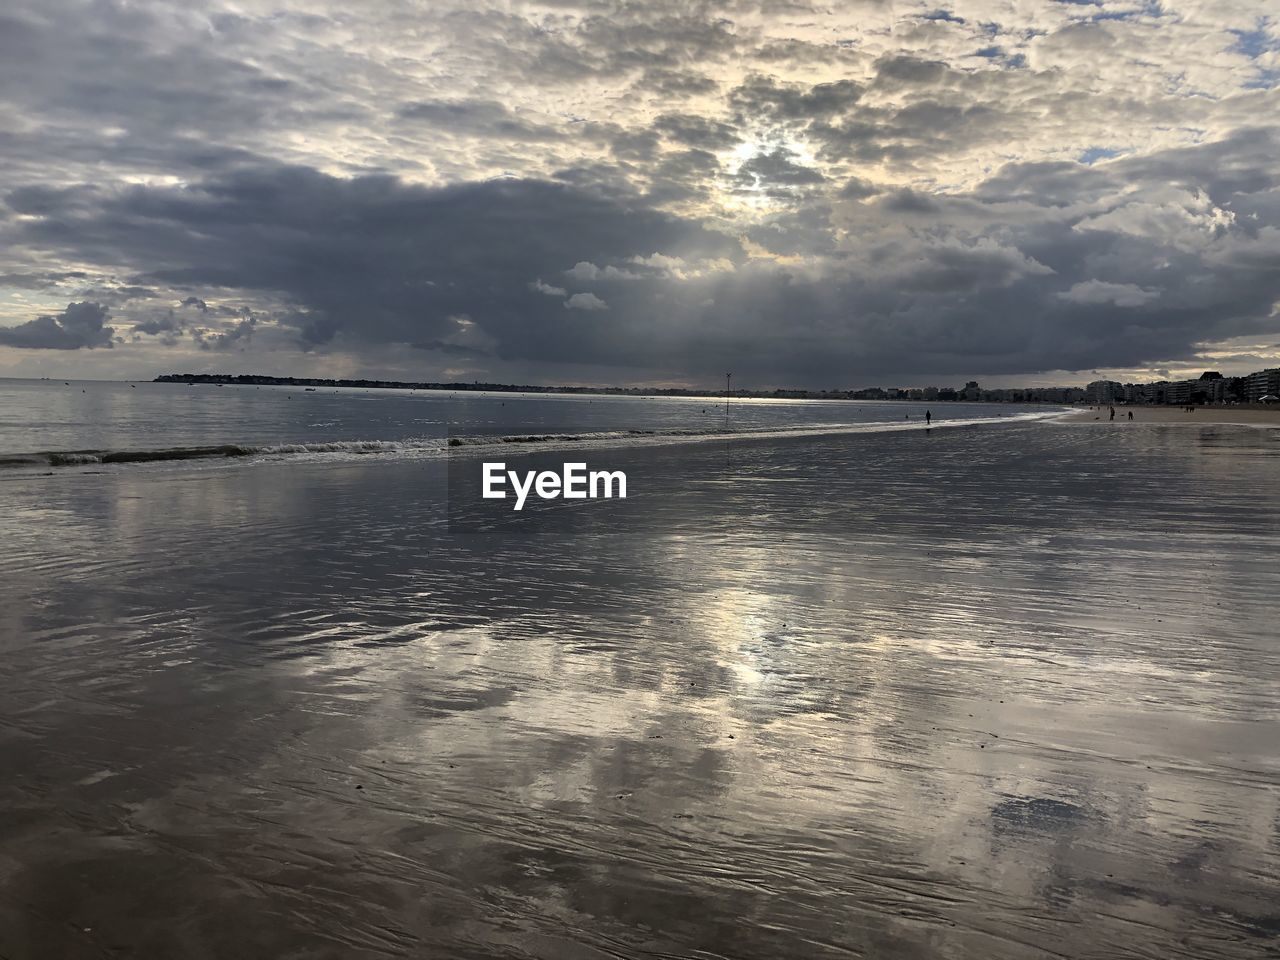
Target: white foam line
[[613, 440], [514, 445]]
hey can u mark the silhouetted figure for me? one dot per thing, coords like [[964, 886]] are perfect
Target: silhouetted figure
[[1130, 414], [928, 418], [1113, 413]]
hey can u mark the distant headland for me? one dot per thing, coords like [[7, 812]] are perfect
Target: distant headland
[[1030, 395], [1211, 387]]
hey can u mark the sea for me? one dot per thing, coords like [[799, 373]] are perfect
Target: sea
[[827, 683], [60, 423]]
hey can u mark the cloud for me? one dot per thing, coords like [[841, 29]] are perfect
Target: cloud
[[804, 193], [80, 325], [1099, 291], [940, 282], [165, 323], [476, 118], [225, 339], [584, 271], [906, 70], [762, 96], [549, 290], [585, 301], [693, 130], [776, 170]]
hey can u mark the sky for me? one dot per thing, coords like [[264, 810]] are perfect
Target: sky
[[813, 195]]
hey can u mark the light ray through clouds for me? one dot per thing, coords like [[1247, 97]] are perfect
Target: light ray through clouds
[[809, 195]]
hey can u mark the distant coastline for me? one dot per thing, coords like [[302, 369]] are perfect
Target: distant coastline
[[1210, 389], [872, 393]]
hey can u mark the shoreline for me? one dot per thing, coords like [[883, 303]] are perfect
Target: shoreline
[[1204, 416], [449, 447]]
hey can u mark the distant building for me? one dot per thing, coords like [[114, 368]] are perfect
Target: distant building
[[1210, 387], [1179, 391], [1222, 390], [1261, 384], [1136, 393], [1104, 391]]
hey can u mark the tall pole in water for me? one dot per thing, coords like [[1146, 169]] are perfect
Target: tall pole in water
[[727, 378]]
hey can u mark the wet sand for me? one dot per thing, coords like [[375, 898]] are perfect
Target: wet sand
[[1000, 692], [1245, 416]]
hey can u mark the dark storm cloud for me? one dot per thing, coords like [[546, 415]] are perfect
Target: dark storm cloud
[[995, 279], [372, 259], [79, 325]]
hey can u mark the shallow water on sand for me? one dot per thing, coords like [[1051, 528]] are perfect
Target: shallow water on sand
[[1010, 691], [162, 419]]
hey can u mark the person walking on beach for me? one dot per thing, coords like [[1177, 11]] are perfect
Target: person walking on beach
[[928, 418], [1113, 413], [1130, 414]]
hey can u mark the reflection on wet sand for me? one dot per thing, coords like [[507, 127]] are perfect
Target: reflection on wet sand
[[1020, 703]]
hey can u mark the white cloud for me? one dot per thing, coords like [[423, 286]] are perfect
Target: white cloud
[[584, 271], [585, 301], [546, 288]]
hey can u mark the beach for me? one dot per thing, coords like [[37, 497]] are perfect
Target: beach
[[630, 481], [1245, 416], [997, 691]]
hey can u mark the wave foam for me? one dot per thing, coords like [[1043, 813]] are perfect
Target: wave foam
[[478, 443]]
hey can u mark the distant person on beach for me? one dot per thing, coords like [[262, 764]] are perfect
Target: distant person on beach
[[1113, 413], [1130, 414], [928, 418]]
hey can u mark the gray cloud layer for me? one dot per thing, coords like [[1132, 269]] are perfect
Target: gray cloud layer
[[799, 195], [79, 325]]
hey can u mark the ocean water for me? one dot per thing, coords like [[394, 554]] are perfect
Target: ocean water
[[59, 423], [1002, 690]]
